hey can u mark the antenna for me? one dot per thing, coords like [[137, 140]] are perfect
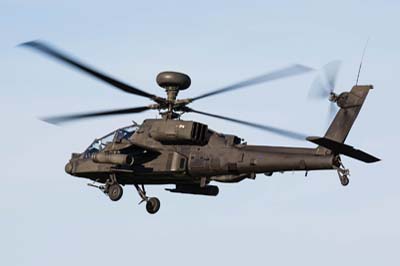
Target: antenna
[[362, 58]]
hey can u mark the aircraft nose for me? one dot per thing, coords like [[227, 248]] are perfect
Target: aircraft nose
[[68, 168]]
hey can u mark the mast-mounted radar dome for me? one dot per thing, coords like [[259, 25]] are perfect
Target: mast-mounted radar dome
[[176, 80]]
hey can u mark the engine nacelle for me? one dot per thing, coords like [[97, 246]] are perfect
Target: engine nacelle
[[178, 132]]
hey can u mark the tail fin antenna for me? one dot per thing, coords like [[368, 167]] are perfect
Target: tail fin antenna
[[362, 59]]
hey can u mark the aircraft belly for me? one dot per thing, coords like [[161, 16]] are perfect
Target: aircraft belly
[[155, 179]]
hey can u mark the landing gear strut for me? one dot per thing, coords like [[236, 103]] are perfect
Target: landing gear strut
[[111, 188], [152, 204], [342, 172]]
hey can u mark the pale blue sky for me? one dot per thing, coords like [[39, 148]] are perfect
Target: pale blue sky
[[51, 218]]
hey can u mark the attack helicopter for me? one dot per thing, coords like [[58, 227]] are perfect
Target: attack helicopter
[[189, 154]]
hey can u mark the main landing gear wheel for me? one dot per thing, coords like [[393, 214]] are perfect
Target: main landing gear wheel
[[115, 192], [111, 188], [153, 205]]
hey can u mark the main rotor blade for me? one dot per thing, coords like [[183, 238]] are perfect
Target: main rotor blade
[[68, 118], [54, 53], [278, 74], [275, 130]]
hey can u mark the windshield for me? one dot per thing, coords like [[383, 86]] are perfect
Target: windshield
[[115, 136]]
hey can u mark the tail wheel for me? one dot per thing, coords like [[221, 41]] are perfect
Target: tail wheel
[[344, 180], [115, 192], [153, 205]]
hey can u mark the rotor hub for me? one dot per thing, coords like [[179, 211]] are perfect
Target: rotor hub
[[173, 82], [333, 97]]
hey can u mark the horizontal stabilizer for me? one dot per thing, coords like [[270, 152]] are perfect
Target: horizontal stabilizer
[[341, 148]]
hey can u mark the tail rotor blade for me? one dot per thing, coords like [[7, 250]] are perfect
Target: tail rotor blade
[[331, 71], [325, 82], [318, 89], [324, 85]]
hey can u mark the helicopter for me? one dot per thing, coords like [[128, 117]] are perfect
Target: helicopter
[[189, 154]]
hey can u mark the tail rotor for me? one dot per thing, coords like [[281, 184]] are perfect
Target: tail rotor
[[324, 85]]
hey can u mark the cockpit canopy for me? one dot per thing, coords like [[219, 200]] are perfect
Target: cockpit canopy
[[114, 137]]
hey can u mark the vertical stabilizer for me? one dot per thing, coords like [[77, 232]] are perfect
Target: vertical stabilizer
[[350, 104]]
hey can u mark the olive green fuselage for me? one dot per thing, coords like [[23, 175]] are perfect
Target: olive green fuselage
[[185, 152]]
